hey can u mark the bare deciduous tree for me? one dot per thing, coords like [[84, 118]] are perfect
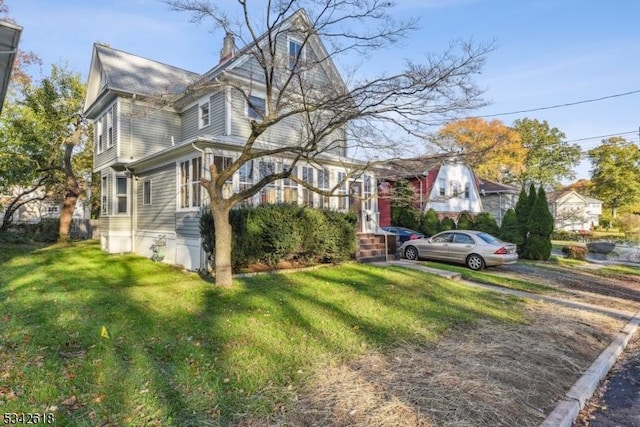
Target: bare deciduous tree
[[342, 114]]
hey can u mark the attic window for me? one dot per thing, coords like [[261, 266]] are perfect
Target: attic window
[[455, 188], [256, 107], [467, 190], [295, 55], [204, 114]]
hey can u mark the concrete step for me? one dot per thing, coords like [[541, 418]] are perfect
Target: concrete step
[[379, 258]]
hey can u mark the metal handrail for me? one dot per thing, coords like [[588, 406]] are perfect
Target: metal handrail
[[386, 241]]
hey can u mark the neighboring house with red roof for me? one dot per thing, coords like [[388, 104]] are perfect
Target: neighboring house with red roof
[[574, 212], [445, 185]]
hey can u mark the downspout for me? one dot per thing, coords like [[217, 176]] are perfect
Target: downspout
[[134, 208], [133, 98]]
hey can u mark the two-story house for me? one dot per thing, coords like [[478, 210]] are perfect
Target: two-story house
[[446, 185], [574, 212], [151, 155]]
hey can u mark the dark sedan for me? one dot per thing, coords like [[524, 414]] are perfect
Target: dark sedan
[[404, 234]]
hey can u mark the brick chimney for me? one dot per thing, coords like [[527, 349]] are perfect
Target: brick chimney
[[228, 50]]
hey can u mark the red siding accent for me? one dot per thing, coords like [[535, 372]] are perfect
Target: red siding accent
[[384, 205]]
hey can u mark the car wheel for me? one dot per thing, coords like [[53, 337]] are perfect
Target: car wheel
[[475, 262], [411, 253]]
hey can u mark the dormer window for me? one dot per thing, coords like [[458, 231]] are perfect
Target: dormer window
[[204, 115], [256, 107], [295, 55]]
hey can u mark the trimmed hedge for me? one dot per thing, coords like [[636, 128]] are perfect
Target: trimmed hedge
[[272, 233]]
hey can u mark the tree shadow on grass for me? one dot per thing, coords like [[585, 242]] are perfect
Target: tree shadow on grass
[[181, 352]]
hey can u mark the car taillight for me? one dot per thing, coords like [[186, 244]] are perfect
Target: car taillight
[[414, 237], [501, 251]]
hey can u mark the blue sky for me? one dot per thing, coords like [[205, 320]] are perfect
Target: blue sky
[[548, 52]]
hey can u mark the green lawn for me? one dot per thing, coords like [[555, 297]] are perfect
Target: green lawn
[[183, 352]]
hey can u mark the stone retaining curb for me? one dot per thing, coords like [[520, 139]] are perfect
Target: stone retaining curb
[[569, 407]]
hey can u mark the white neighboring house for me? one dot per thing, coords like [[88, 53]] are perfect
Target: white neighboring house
[[574, 212], [36, 210], [150, 159]]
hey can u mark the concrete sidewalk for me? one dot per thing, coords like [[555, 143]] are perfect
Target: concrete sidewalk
[[569, 407]]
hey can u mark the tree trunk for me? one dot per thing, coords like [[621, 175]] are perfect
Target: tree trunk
[[66, 215], [223, 235], [73, 189]]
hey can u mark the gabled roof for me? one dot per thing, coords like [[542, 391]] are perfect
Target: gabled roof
[[558, 196], [131, 73], [118, 71], [121, 72], [492, 187]]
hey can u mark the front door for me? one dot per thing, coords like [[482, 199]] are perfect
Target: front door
[[355, 203]]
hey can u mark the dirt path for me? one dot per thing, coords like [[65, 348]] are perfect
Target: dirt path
[[490, 374], [580, 284]]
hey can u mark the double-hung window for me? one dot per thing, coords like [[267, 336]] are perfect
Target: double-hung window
[[110, 128], [190, 172], [122, 195], [289, 186], [307, 195], [368, 192], [245, 180], [342, 191], [204, 115], [268, 192], [104, 191], [100, 137], [295, 55], [146, 192], [442, 187], [467, 188], [455, 188], [256, 107], [323, 184]]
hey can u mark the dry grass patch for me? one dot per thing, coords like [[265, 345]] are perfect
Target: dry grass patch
[[493, 374]]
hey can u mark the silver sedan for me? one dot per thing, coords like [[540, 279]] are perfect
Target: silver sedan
[[475, 249]]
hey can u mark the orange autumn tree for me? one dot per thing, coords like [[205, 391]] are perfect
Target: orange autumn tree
[[493, 150]]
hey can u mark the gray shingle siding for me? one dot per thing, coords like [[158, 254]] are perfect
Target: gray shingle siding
[[107, 155], [217, 113], [188, 224], [190, 118], [146, 131], [190, 122], [282, 133], [160, 214]]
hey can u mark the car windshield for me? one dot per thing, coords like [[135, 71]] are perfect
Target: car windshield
[[489, 238]]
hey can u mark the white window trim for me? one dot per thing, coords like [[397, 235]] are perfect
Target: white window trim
[[303, 49], [255, 94], [203, 194], [204, 102], [109, 119], [99, 134], [150, 192], [115, 196], [104, 195]]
